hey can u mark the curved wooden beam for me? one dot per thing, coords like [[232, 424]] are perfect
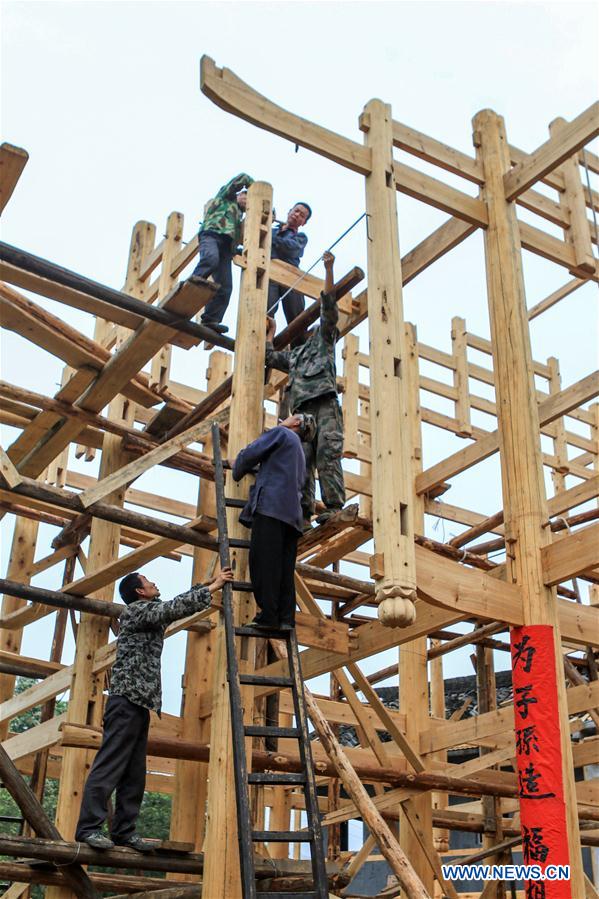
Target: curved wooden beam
[[233, 95]]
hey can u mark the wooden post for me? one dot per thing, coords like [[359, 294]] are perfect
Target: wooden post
[[413, 670], [350, 395], [161, 363], [460, 376], [392, 477], [221, 874], [524, 500], [438, 800], [560, 443], [572, 200], [22, 554], [86, 696], [189, 800]]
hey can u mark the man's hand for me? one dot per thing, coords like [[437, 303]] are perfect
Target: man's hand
[[271, 328], [329, 280], [241, 198], [217, 583]]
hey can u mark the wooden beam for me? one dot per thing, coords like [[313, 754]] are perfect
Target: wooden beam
[[8, 472], [222, 873], [22, 316], [12, 162], [571, 556], [36, 816], [555, 297], [229, 92], [548, 156], [133, 470], [449, 235]]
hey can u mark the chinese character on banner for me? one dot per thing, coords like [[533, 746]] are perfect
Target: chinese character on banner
[[539, 758], [533, 847]]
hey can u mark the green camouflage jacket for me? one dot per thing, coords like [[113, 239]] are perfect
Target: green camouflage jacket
[[311, 367], [136, 671], [222, 214]]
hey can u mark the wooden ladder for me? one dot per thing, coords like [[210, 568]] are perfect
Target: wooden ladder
[[312, 835]]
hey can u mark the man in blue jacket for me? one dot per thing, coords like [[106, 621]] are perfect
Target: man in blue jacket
[[288, 245], [274, 513]]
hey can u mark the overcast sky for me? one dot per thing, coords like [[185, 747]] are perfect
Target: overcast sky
[[105, 98]]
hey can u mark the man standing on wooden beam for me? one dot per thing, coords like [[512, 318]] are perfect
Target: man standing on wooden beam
[[288, 245], [220, 233], [135, 690], [312, 389]]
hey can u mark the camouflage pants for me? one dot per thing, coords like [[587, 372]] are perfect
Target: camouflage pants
[[324, 453]]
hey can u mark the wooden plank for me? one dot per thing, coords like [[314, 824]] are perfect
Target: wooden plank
[[133, 470], [549, 155], [12, 162], [434, 151], [571, 555], [229, 92], [436, 193], [449, 235], [555, 297], [39, 737]]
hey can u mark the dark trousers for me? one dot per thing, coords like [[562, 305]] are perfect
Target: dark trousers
[[293, 304], [273, 550], [119, 765], [216, 254]]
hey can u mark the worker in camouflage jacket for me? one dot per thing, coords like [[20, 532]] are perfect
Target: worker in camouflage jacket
[[220, 233], [135, 690], [312, 389]]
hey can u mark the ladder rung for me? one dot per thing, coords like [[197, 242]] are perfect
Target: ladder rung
[[235, 503], [310, 895], [248, 631], [272, 779], [261, 680], [283, 836], [263, 730], [237, 543], [242, 586]]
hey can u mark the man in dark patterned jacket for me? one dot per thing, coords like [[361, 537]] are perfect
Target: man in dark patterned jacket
[[220, 233], [312, 389], [135, 689]]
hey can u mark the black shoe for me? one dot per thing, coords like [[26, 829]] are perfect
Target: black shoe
[[135, 841], [265, 625], [215, 326], [98, 840]]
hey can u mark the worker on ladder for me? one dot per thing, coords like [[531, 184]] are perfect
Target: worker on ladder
[[288, 245], [274, 513]]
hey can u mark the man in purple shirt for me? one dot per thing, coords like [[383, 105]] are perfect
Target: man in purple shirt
[[274, 513], [288, 245]]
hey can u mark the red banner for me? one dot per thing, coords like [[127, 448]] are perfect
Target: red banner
[[539, 758]]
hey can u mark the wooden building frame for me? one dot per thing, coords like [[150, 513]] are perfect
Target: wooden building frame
[[420, 587]]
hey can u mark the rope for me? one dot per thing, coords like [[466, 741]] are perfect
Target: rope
[[588, 179], [314, 264]]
